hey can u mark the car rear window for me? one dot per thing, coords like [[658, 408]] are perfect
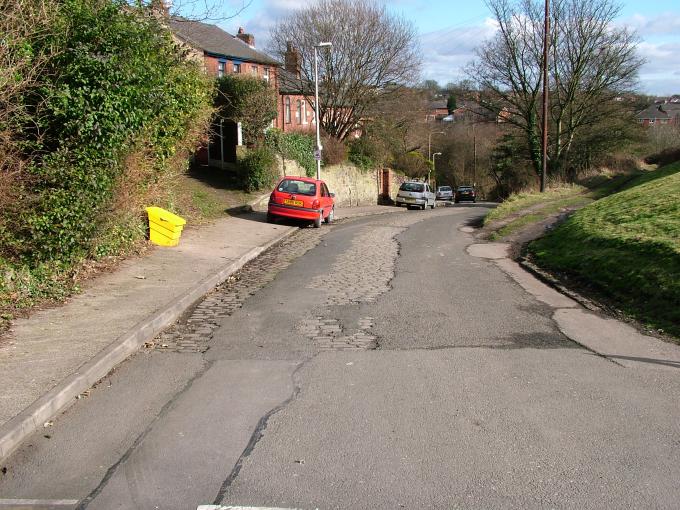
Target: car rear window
[[445, 188], [412, 186], [297, 186], [464, 188]]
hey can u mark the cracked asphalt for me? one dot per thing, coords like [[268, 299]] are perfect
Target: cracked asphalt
[[373, 364]]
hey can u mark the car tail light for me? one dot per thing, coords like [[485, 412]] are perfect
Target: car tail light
[[316, 204]]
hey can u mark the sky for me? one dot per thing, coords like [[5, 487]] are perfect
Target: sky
[[450, 30]]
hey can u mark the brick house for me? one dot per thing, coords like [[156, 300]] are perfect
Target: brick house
[[660, 114], [224, 53], [295, 112], [437, 110]]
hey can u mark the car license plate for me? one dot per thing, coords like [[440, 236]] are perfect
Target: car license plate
[[297, 203], [410, 199]]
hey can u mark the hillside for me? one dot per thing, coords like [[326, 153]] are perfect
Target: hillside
[[626, 249]]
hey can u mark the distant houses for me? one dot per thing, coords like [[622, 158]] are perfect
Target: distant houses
[[466, 112], [662, 112]]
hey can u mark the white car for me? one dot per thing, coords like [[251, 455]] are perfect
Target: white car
[[415, 194], [444, 193]]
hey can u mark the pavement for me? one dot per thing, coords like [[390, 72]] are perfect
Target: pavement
[[386, 362], [47, 361]]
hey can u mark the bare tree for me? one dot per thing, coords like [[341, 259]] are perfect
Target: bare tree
[[591, 62], [195, 10], [374, 54]]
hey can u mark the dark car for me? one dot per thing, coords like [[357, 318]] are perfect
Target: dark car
[[465, 193]]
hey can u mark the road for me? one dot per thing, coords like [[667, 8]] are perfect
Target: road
[[372, 364]]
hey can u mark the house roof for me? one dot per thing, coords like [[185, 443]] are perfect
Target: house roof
[[291, 85], [660, 111], [212, 39], [439, 104]]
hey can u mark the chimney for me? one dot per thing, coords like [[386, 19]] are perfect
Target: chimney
[[291, 59], [249, 39], [161, 7]]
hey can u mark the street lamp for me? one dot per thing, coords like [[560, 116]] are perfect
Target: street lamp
[[433, 167], [429, 142], [316, 106]]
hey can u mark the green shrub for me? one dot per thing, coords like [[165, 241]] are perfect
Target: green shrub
[[298, 147], [665, 157], [413, 164], [257, 169], [248, 100], [114, 81]]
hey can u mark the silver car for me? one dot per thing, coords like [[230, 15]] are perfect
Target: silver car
[[444, 193], [415, 194]]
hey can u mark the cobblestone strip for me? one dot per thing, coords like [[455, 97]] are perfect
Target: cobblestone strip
[[328, 334], [193, 332], [359, 275], [364, 270]]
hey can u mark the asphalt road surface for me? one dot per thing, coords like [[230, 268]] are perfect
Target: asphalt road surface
[[371, 364]]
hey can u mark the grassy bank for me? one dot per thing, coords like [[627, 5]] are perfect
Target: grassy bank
[[626, 248], [524, 209]]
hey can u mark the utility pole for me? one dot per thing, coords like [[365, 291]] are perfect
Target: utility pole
[[545, 94], [474, 156]]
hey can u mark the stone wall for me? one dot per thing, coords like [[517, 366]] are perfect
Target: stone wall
[[351, 185]]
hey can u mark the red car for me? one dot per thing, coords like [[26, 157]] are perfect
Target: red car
[[301, 198]]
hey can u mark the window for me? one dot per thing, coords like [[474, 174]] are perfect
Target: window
[[298, 112], [298, 187], [304, 111], [265, 75], [220, 69], [412, 186], [237, 67], [286, 110], [253, 70]]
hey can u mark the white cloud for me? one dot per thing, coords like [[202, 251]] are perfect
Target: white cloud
[[667, 23], [657, 75], [447, 51]]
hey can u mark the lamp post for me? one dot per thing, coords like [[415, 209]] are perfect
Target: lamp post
[[316, 106], [434, 156], [429, 142]]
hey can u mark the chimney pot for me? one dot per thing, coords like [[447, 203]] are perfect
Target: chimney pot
[[249, 39]]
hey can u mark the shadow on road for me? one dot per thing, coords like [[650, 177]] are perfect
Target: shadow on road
[[517, 341], [664, 362]]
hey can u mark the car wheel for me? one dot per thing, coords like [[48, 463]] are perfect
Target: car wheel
[[331, 216], [424, 206], [318, 220], [270, 218], [434, 204]]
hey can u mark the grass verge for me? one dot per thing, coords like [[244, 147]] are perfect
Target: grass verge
[[626, 248]]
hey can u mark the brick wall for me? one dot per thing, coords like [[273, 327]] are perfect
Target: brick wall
[[211, 67], [295, 124]]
